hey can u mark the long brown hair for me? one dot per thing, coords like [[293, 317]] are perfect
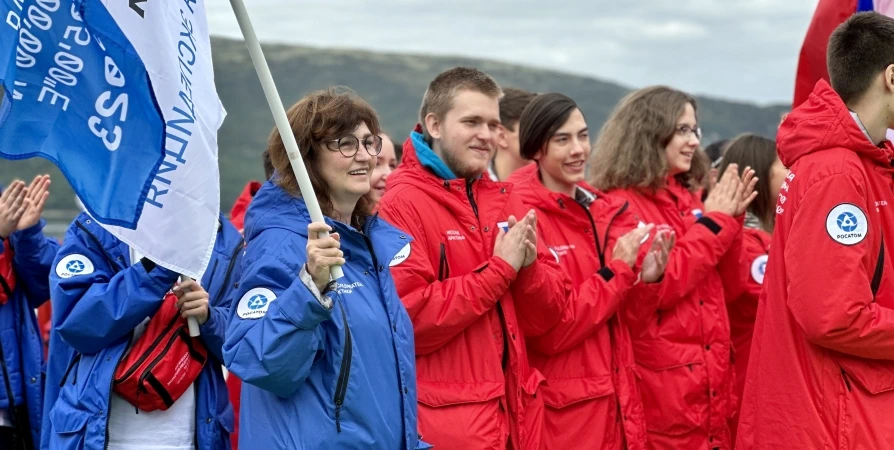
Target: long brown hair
[[759, 153], [318, 117], [630, 150]]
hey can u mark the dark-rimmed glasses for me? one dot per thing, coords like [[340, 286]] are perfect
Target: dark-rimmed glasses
[[349, 145]]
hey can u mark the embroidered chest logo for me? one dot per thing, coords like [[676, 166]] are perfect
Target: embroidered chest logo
[[344, 288], [455, 235]]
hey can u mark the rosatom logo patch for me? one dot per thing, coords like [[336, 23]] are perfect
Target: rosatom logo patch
[[847, 224], [74, 265], [401, 256], [759, 268], [254, 303]]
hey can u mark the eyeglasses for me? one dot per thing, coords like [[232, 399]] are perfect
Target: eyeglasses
[[685, 131], [348, 146]]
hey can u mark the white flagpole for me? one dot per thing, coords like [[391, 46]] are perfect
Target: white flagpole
[[279, 115]]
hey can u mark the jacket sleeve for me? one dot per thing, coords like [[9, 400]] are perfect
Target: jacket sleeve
[[540, 293], [33, 259], [215, 329], [98, 308], [732, 268], [830, 297], [276, 350], [695, 255], [442, 309], [589, 307]]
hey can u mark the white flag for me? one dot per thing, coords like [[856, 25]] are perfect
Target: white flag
[[179, 221]]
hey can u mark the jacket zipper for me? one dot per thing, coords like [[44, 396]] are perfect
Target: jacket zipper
[[443, 268], [146, 355], [341, 387], [471, 197], [74, 360], [847, 383], [599, 250], [161, 355], [111, 383], [232, 264]]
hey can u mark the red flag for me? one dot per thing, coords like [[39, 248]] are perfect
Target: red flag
[[812, 63]]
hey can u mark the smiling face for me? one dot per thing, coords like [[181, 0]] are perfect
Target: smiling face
[[385, 164], [464, 138], [348, 179], [563, 160], [682, 146]]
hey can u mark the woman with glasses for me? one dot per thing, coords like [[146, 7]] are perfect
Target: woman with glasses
[[326, 364], [648, 154]]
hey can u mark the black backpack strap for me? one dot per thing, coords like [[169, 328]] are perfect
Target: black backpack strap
[[879, 269]]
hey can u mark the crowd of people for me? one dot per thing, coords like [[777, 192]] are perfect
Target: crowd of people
[[512, 280]]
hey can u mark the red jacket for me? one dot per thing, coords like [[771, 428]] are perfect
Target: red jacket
[[587, 357], [466, 305], [237, 214], [743, 306], [682, 348], [823, 353]]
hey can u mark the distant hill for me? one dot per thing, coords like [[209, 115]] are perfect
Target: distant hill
[[393, 84]]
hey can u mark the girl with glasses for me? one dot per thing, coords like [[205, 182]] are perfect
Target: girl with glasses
[[648, 154]]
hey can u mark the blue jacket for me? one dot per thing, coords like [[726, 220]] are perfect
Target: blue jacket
[[94, 314], [317, 378], [22, 348]]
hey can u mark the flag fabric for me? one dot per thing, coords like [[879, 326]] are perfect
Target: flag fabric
[[120, 95], [828, 15]]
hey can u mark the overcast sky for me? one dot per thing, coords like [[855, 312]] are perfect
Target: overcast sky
[[737, 49]]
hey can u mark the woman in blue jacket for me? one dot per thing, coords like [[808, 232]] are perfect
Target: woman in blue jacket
[[26, 256], [103, 293], [326, 364]]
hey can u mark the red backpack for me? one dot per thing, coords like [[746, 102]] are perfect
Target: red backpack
[[162, 363]]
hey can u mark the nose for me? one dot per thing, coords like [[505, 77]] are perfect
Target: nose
[[363, 155], [693, 139], [580, 146]]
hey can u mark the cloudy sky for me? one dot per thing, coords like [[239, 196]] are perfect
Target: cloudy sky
[[737, 49]]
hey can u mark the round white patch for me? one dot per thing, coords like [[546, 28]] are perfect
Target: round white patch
[[401, 256], [847, 224], [74, 265], [758, 268], [254, 303]]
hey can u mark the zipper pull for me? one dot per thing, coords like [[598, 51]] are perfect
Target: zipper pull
[[337, 418]]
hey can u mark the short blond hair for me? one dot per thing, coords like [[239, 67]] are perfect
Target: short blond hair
[[438, 98]]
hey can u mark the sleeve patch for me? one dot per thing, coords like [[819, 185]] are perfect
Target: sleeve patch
[[847, 224], [255, 302], [758, 268], [401, 256], [74, 265]]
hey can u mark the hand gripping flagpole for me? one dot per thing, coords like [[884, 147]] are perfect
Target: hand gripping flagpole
[[282, 122]]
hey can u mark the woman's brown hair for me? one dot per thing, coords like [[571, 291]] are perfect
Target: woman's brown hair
[[630, 150], [759, 153], [318, 117]]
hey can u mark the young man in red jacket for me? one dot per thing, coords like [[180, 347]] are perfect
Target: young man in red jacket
[[822, 365], [474, 280]]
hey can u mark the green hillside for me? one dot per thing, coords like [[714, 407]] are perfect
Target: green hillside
[[393, 84]]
